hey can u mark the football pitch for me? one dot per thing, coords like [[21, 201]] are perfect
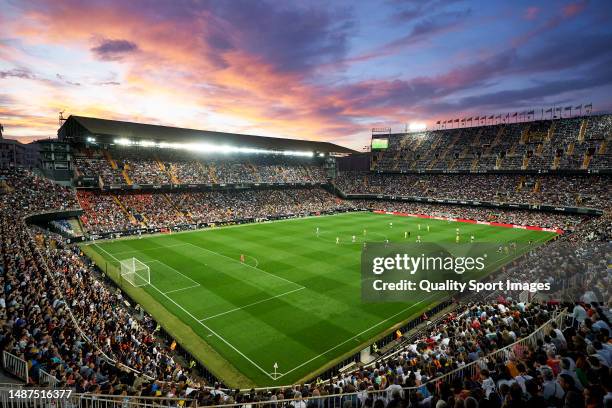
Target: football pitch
[[295, 301]]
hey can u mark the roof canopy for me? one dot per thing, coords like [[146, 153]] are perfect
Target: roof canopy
[[78, 128]]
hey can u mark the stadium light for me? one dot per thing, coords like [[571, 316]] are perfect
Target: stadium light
[[123, 142], [146, 143], [417, 126], [210, 148], [91, 139]]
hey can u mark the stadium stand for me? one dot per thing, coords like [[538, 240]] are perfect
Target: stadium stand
[[567, 144], [131, 211], [581, 191], [125, 166], [73, 328]]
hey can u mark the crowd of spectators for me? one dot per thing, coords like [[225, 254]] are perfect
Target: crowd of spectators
[[160, 167], [123, 211], [103, 213], [144, 171], [108, 212], [565, 363], [585, 191], [515, 216], [49, 288], [222, 206], [536, 145]]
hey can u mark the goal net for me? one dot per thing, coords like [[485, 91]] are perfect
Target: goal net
[[135, 272]]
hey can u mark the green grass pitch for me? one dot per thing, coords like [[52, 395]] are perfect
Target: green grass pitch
[[295, 301]]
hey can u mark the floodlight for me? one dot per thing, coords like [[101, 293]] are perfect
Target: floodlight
[[417, 126], [123, 141]]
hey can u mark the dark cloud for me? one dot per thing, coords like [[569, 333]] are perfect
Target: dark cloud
[[408, 11], [114, 50], [22, 73], [583, 64], [6, 99], [429, 25], [596, 75], [63, 80], [292, 38], [108, 83]]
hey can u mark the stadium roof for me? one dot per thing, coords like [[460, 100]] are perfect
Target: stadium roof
[[105, 130]]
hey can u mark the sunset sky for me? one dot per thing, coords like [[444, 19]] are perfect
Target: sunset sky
[[320, 70]]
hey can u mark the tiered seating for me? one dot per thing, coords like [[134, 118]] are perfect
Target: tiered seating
[[50, 295], [105, 212], [143, 166], [529, 145], [151, 209], [59, 315], [589, 191], [102, 212]]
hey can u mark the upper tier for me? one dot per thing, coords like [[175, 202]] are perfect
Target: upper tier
[[562, 144]]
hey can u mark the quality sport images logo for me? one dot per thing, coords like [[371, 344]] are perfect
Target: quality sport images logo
[[408, 272]]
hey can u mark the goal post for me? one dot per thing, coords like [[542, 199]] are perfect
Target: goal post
[[135, 272]]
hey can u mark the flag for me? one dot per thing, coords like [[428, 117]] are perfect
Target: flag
[[568, 108], [514, 114], [530, 112], [463, 120], [468, 119], [491, 117], [548, 110], [590, 105], [456, 120], [578, 107], [438, 122], [558, 109], [497, 117], [477, 118]]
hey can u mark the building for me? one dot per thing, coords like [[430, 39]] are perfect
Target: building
[[14, 154]]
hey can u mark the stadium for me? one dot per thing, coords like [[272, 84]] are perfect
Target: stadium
[[145, 264]]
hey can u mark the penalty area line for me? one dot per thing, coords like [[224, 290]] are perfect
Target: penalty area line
[[251, 304], [168, 266], [202, 324], [212, 331], [181, 289]]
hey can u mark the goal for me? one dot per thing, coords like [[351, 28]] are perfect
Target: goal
[[135, 272]]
